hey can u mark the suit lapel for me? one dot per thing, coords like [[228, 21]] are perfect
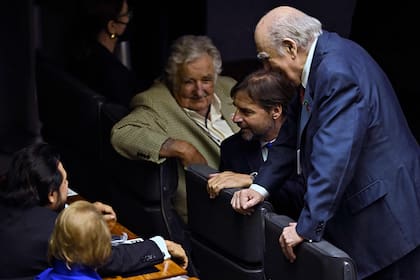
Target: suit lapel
[[305, 113], [255, 159]]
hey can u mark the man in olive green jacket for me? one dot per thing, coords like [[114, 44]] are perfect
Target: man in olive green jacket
[[186, 115]]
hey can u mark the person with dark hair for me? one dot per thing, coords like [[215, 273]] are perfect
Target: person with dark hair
[[101, 26], [348, 137], [34, 192], [261, 100]]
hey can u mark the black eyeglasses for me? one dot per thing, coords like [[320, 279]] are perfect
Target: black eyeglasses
[[128, 14]]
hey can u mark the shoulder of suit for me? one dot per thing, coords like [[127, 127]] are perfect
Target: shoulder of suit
[[158, 91], [225, 81], [235, 142]]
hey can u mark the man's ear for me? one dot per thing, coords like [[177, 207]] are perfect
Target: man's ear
[[53, 197], [290, 47], [276, 112]]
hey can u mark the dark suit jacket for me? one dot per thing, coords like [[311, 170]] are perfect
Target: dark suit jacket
[[241, 156], [24, 235], [360, 160]]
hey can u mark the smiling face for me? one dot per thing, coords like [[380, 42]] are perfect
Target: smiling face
[[254, 121], [194, 88]]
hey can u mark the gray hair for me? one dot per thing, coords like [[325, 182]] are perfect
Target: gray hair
[[185, 49], [299, 27]]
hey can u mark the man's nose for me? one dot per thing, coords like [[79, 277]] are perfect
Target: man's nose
[[237, 117]]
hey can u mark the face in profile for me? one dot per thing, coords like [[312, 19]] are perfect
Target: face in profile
[[59, 197], [269, 56], [195, 85], [254, 121]]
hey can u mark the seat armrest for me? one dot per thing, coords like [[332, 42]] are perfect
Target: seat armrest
[[315, 260], [215, 223]]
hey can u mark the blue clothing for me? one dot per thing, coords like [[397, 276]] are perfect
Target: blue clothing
[[360, 161], [61, 272]]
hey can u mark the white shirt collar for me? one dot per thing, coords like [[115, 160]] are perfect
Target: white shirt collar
[[307, 66]]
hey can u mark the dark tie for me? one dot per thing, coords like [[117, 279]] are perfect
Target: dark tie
[[265, 149], [301, 94]]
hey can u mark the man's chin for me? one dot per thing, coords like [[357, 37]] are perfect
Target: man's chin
[[246, 134]]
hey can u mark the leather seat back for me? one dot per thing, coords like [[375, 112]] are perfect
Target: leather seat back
[[315, 261], [222, 238]]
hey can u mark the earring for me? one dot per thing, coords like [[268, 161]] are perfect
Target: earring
[[112, 36]]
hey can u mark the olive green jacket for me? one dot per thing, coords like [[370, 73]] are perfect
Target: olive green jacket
[[155, 117]]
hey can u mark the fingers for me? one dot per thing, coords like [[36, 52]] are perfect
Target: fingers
[[287, 249], [289, 239], [243, 203], [213, 190], [177, 253], [214, 186]]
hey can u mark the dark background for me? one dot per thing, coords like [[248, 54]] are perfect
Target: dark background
[[386, 30]]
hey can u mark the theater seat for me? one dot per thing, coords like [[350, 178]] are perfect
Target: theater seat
[[225, 244], [78, 120], [70, 116], [315, 261], [141, 191]]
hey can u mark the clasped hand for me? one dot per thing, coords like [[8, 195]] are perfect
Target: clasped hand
[[244, 200]]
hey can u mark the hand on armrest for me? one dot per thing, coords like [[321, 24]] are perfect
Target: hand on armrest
[[183, 150], [227, 179]]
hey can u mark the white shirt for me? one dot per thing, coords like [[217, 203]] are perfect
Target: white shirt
[[215, 125]]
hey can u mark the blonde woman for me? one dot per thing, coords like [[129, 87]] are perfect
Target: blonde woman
[[79, 244]]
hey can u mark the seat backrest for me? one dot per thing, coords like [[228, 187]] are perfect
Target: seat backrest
[[315, 261], [140, 191], [69, 110], [78, 120], [70, 116], [234, 241]]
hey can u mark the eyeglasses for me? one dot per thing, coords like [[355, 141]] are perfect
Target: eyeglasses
[[263, 56], [128, 14]]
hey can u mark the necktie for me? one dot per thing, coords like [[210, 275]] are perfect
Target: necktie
[[265, 149], [301, 94]]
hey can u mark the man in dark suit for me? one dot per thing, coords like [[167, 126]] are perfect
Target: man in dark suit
[[359, 159], [31, 197], [261, 101]]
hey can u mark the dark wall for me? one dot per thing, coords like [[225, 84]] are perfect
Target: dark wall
[[388, 35], [19, 124], [386, 31], [231, 23], [155, 25]]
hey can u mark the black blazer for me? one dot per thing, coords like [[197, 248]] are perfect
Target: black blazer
[[24, 235], [241, 156]]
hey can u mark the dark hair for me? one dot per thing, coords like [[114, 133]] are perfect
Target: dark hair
[[32, 175], [95, 14], [267, 88], [91, 16]]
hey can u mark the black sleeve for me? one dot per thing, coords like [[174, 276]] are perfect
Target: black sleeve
[[127, 258]]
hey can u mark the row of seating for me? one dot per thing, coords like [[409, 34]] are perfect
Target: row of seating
[[77, 121], [225, 244], [229, 245]]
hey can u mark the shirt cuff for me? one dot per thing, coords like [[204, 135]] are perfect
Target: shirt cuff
[[260, 190], [162, 245]]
